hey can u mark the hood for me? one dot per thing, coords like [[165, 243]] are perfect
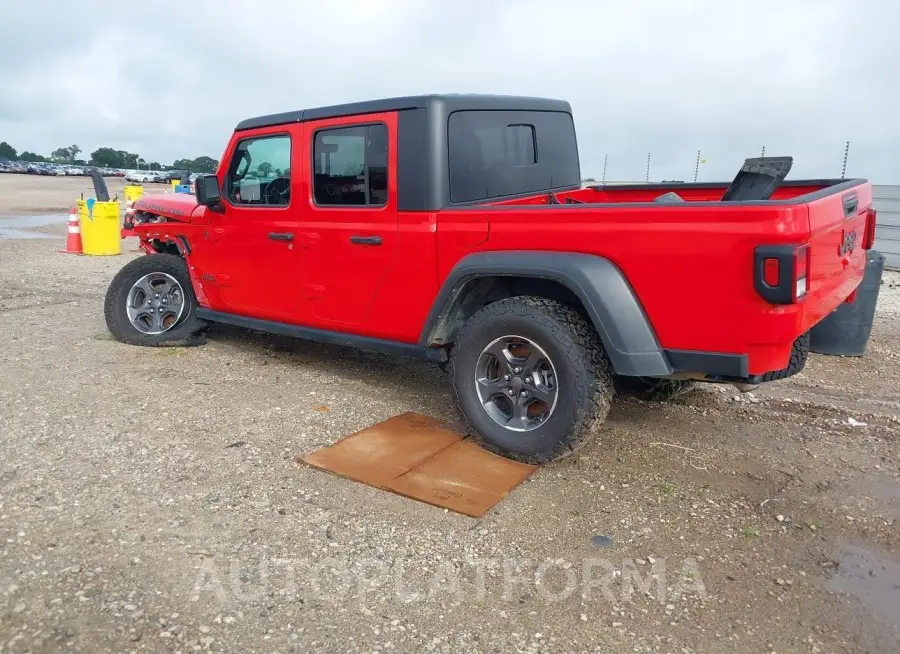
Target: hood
[[174, 206]]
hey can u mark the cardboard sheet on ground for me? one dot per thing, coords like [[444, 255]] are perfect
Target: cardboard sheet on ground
[[419, 457]]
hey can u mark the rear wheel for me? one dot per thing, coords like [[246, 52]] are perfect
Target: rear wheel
[[151, 301], [531, 378]]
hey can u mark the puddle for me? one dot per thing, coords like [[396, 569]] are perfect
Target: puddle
[[16, 226], [870, 577], [21, 233], [40, 220]]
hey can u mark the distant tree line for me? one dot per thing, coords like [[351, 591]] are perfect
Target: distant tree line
[[108, 158]]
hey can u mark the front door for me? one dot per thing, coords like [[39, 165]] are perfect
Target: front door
[[349, 227], [248, 255]]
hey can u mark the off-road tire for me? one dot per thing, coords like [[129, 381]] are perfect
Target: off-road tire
[[583, 375], [188, 331], [654, 388], [799, 355]]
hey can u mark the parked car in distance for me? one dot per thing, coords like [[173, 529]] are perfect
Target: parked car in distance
[[176, 175], [141, 176], [39, 168], [478, 248]]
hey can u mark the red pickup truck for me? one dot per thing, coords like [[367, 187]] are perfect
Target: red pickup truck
[[456, 228]]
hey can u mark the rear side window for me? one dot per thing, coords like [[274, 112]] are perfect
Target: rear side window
[[500, 153], [350, 166]]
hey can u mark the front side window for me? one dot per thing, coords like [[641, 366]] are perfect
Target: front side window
[[350, 166], [260, 172]]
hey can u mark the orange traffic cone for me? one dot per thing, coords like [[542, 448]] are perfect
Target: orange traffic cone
[[73, 243]]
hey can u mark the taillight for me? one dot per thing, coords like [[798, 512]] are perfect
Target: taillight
[[801, 272], [771, 272], [869, 236], [781, 273]]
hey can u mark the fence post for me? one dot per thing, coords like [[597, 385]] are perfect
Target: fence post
[[846, 154]]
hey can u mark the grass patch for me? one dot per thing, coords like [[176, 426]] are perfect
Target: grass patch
[[667, 488], [750, 531], [172, 351], [103, 336]]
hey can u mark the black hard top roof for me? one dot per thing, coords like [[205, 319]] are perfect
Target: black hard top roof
[[447, 102]]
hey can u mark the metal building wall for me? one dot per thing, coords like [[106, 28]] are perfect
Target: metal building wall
[[886, 200]]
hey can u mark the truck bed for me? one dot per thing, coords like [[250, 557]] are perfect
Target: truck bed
[[693, 263]]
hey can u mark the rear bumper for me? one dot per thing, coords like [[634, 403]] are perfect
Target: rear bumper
[[710, 363], [714, 366]]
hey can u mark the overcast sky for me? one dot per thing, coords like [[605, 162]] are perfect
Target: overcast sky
[[171, 79]]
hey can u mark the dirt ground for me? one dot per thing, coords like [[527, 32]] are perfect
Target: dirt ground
[[150, 499]]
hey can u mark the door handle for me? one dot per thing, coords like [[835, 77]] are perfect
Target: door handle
[[281, 236], [365, 240]]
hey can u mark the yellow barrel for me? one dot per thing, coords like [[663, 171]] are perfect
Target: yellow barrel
[[175, 182], [100, 228], [132, 193]]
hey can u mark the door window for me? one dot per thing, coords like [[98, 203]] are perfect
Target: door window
[[260, 172], [350, 166]]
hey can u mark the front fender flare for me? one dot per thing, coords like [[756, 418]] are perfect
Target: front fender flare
[[607, 297]]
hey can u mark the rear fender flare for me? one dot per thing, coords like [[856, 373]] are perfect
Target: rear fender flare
[[602, 289]]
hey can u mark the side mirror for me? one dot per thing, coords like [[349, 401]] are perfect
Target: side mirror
[[207, 191]]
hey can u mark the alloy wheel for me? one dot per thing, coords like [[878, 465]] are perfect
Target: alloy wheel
[[516, 383], [155, 303]]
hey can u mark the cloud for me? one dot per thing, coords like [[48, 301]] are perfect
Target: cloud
[[171, 79]]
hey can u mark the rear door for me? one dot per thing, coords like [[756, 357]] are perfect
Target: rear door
[[248, 252], [350, 221]]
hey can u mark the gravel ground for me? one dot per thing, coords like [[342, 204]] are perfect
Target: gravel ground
[[889, 294], [150, 501]]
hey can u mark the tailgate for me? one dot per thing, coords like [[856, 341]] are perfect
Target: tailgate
[[837, 259]]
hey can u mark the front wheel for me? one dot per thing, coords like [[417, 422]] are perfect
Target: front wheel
[[532, 378], [151, 301]]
